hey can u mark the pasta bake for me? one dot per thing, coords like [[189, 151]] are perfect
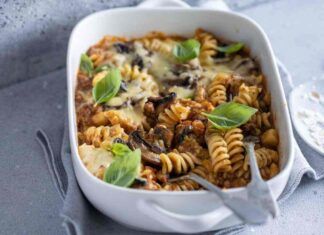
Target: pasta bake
[[157, 107]]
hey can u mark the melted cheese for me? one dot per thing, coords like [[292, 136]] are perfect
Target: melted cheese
[[160, 67], [134, 113], [133, 90], [182, 92], [95, 158], [211, 71]]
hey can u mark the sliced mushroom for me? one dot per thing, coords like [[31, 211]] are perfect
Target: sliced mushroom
[[157, 101], [140, 181], [182, 130], [155, 105], [138, 60], [178, 82], [149, 152], [162, 132], [123, 48], [243, 65]]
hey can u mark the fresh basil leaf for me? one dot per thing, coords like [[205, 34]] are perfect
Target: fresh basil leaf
[[186, 50], [230, 115], [86, 65], [231, 48], [107, 87], [120, 150], [102, 68], [123, 170]]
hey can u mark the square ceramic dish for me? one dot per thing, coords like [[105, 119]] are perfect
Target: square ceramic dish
[[185, 212]]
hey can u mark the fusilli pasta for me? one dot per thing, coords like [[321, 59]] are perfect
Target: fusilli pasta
[[217, 89], [161, 105], [248, 95], [208, 46], [103, 136], [173, 115], [178, 163], [182, 185], [218, 152]]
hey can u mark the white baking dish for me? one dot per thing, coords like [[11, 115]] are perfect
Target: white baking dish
[[186, 212]]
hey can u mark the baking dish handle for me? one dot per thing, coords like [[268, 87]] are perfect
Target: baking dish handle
[[214, 5], [163, 3], [182, 223], [208, 4]]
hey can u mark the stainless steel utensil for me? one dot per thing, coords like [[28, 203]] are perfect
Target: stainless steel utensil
[[258, 190], [260, 202], [246, 210]]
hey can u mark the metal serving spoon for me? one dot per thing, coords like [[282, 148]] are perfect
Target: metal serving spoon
[[246, 210], [258, 190], [260, 201]]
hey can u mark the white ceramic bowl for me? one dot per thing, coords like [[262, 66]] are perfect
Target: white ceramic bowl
[[185, 212]]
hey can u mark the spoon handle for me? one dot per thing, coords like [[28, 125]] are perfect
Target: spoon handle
[[255, 173], [247, 211], [207, 185]]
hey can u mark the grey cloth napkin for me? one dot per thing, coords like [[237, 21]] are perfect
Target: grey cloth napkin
[[80, 217]]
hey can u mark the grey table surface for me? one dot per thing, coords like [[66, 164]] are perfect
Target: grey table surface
[[33, 43]]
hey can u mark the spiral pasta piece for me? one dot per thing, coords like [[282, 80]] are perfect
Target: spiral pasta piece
[[239, 182], [234, 141], [208, 46], [269, 171], [217, 148], [205, 171], [97, 58], [178, 163], [261, 120], [103, 136], [266, 156], [202, 171], [163, 47], [248, 95], [217, 89], [238, 165], [114, 117], [131, 73], [150, 175], [183, 185], [173, 115]]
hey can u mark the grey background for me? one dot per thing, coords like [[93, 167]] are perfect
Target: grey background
[[33, 40]]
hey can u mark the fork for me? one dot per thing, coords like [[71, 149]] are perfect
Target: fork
[[258, 190]]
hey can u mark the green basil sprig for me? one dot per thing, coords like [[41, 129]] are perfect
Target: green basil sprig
[[107, 87], [186, 50], [230, 115], [231, 48], [86, 65], [124, 169], [120, 150]]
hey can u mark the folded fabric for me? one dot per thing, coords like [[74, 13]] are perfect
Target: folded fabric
[[80, 217]]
